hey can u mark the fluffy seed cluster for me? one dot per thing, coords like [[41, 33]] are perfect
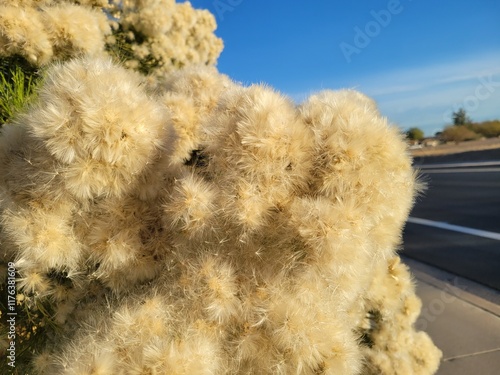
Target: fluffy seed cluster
[[210, 229], [164, 35], [155, 37], [46, 30]]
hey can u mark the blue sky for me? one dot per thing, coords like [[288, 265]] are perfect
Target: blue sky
[[419, 59]]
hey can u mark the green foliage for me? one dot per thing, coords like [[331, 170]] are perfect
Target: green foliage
[[460, 117], [415, 134], [488, 129], [119, 46], [17, 88], [6, 64], [121, 50], [458, 133]]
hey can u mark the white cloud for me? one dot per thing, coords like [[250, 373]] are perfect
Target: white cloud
[[426, 96], [426, 77]]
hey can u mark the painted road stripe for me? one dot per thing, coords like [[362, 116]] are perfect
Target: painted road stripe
[[459, 165], [455, 228], [460, 170]]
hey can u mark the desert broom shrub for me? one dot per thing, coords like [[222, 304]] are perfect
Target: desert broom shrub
[[161, 36], [210, 228], [154, 37], [46, 30]]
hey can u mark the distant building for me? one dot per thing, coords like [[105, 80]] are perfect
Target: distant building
[[430, 142]]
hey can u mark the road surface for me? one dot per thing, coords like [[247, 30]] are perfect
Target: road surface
[[455, 225]]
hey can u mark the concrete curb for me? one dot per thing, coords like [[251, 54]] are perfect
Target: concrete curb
[[481, 296]]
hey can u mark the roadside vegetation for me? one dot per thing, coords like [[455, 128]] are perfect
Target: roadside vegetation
[[471, 131], [463, 129]]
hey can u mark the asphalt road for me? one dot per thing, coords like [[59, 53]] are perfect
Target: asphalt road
[[460, 230]]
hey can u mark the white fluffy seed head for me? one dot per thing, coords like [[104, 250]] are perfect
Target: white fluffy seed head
[[97, 121], [191, 206], [256, 137], [191, 94], [75, 30], [22, 33], [125, 241], [353, 145], [44, 238]]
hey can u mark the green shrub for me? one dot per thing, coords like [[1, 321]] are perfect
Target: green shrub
[[488, 129], [415, 134], [17, 88], [458, 133]]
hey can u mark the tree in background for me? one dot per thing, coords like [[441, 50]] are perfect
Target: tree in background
[[460, 117], [465, 130], [415, 134]]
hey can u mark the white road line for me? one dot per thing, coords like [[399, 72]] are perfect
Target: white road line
[[460, 170], [455, 228], [459, 165]]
